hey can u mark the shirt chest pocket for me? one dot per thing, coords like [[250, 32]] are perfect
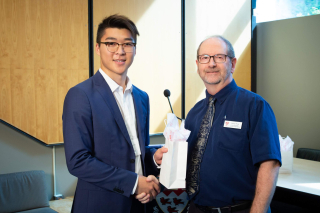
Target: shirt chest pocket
[[231, 138]]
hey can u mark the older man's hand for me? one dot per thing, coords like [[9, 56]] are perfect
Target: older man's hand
[[159, 154], [148, 188]]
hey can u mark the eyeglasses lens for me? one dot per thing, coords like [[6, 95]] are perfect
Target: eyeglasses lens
[[127, 47], [204, 59]]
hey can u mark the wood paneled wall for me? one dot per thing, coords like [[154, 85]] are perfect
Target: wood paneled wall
[[44, 52], [157, 64]]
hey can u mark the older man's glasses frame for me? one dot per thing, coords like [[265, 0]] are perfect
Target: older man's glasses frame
[[218, 58]]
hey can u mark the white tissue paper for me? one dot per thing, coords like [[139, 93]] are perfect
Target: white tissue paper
[[173, 132], [174, 162], [286, 148]]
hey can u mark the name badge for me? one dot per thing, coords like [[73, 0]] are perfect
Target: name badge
[[232, 124]]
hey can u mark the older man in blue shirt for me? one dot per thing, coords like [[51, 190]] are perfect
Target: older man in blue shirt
[[234, 152]]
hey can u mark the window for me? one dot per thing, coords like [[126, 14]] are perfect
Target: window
[[272, 10]]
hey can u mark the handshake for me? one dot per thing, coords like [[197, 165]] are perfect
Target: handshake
[[149, 187]]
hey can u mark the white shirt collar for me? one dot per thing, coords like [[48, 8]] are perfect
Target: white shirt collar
[[112, 84]]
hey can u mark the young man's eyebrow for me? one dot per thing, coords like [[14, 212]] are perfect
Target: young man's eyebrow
[[112, 38]]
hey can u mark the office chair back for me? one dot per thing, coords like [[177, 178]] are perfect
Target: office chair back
[[309, 154]]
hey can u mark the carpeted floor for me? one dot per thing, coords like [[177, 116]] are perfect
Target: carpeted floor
[[62, 206]]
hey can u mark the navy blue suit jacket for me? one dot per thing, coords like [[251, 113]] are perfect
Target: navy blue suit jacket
[[98, 147]]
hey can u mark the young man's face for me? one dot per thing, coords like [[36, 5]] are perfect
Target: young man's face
[[115, 63]]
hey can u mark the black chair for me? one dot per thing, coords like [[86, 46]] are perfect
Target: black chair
[[309, 154]]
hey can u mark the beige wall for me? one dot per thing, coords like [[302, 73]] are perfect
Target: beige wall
[[288, 76], [231, 19], [44, 51], [157, 64]]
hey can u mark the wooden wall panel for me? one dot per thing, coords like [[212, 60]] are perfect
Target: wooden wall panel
[[5, 95], [4, 38], [44, 52]]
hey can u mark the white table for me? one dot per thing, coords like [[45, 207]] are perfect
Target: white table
[[305, 177]]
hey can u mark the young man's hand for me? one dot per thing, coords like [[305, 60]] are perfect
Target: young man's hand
[[147, 189]]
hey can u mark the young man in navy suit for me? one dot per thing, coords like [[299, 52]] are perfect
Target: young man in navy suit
[[106, 129]]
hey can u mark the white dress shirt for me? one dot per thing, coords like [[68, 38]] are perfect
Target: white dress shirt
[[126, 106]]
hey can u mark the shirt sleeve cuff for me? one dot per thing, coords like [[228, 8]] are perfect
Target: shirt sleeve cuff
[[135, 185], [155, 163]]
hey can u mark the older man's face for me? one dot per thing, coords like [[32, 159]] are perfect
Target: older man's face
[[215, 73]]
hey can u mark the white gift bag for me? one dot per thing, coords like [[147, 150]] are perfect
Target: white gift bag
[[174, 162], [286, 147]]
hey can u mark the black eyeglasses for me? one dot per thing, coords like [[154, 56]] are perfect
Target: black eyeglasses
[[218, 58], [113, 46]]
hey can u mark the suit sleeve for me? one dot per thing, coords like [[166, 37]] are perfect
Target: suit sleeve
[[79, 143], [151, 168]]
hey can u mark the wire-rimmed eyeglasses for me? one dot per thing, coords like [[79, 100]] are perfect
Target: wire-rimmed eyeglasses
[[218, 58], [113, 46]]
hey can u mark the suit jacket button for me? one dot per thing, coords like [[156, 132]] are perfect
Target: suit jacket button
[[132, 160]]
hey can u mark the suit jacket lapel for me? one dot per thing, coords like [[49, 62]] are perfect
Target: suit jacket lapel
[[139, 118], [105, 92]]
